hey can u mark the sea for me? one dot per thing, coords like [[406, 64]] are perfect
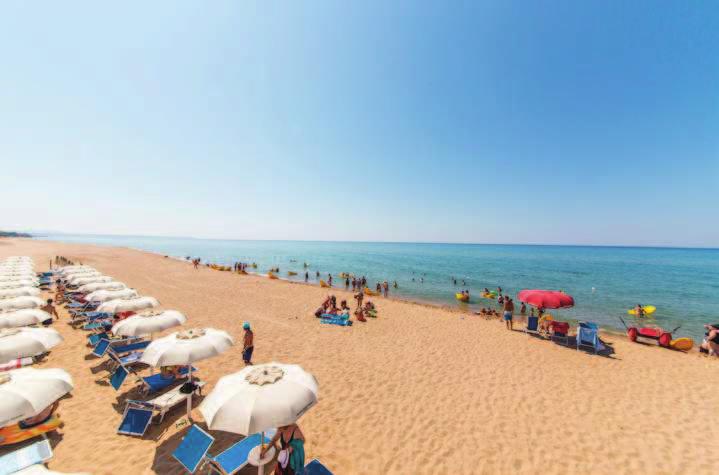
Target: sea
[[605, 282]]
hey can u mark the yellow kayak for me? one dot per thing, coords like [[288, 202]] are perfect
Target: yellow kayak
[[323, 284], [14, 434], [369, 292], [648, 310], [272, 276], [289, 272], [682, 344], [461, 297]]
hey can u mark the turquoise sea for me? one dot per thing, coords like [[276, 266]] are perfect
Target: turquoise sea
[[605, 281]]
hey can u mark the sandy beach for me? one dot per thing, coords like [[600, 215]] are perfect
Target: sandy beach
[[418, 390]]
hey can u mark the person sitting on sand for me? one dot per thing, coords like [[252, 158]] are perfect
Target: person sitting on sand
[[710, 345], [41, 417], [50, 308], [344, 306]]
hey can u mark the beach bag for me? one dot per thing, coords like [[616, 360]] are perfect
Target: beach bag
[[188, 388]]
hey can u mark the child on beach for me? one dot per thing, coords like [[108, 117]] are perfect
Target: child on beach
[[248, 344], [523, 309]]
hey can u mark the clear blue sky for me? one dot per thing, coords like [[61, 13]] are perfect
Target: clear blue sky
[[549, 122]]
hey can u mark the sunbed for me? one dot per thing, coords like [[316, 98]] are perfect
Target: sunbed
[[135, 421], [192, 453], [157, 382], [24, 455], [315, 467], [163, 403], [559, 330]]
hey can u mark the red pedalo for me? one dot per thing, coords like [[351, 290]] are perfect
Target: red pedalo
[[665, 339], [632, 334]]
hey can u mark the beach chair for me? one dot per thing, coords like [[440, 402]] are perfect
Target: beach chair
[[532, 326], [126, 355], [135, 421], [33, 452], [118, 377], [588, 335], [235, 458], [165, 402], [193, 448], [315, 467], [559, 331], [157, 382]]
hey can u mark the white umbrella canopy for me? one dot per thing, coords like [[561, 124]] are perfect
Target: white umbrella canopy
[[128, 305], [79, 282], [23, 318], [69, 270], [89, 288], [12, 278], [24, 342], [38, 469], [14, 284], [259, 398], [105, 295], [18, 303], [26, 392], [19, 292], [186, 347], [148, 323], [16, 270]]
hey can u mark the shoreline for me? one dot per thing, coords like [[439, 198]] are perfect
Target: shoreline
[[420, 389]]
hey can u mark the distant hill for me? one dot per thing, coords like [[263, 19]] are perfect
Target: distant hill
[[13, 234]]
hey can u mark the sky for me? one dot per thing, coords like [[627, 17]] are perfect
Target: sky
[[592, 122]]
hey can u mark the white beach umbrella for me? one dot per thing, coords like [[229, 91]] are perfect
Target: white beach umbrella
[[26, 392], [5, 270], [27, 341], [148, 323], [90, 280], [105, 295], [38, 469], [74, 270], [15, 284], [128, 305], [19, 292], [259, 398], [74, 277], [13, 278], [185, 348], [17, 303], [89, 288], [80, 273], [23, 318]]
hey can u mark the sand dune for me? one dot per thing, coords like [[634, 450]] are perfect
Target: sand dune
[[418, 390]]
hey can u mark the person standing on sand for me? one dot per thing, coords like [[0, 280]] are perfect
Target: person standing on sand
[[248, 344], [50, 308], [307, 276], [508, 310], [347, 283], [523, 309], [385, 288], [359, 296], [329, 279]]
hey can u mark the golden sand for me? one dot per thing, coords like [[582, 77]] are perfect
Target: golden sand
[[418, 390]]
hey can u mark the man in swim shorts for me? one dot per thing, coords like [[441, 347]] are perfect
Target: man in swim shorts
[[248, 344], [508, 310]]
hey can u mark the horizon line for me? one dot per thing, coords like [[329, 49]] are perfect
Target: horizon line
[[458, 243]]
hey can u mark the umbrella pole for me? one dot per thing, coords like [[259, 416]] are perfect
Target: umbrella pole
[[189, 398]]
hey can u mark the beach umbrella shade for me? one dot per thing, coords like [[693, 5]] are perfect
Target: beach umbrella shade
[[185, 348], [38, 469], [78, 277], [19, 292], [259, 398], [74, 270], [9, 270], [128, 305], [12, 278], [546, 298], [23, 318], [18, 303], [79, 282], [15, 284], [105, 295], [89, 288], [25, 342], [26, 392], [148, 323]]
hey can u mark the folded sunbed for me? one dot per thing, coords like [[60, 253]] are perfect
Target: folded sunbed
[[30, 453]]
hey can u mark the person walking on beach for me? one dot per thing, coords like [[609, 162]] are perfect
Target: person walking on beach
[[50, 308], [359, 296], [508, 310], [307, 276], [347, 283], [385, 288], [248, 344], [329, 279]]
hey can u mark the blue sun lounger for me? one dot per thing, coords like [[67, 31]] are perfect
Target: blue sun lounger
[[588, 335], [135, 421], [193, 448], [37, 451], [192, 452], [157, 382], [235, 457], [315, 467]]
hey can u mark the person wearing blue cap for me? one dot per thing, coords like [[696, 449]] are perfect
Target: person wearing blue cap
[[248, 344]]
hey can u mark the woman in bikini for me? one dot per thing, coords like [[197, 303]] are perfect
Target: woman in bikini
[[291, 458]]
